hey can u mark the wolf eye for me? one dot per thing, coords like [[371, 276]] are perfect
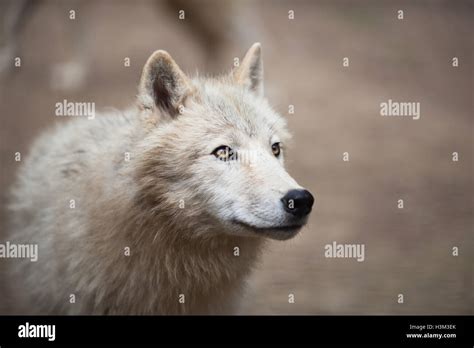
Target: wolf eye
[[276, 149], [223, 153]]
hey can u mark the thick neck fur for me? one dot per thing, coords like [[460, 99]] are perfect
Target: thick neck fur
[[165, 263], [172, 253]]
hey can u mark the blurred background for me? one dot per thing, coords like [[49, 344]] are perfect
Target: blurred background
[[336, 109]]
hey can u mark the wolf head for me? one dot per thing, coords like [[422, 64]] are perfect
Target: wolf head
[[213, 157]]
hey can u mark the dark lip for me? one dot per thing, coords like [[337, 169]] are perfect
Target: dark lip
[[288, 228]]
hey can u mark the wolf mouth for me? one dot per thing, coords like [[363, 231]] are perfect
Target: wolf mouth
[[287, 228]]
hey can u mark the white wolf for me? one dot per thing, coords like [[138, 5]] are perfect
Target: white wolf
[[152, 211]]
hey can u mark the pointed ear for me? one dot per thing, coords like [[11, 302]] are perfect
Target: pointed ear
[[250, 71], [163, 85]]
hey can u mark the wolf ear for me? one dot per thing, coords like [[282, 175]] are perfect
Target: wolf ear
[[250, 71], [163, 85]]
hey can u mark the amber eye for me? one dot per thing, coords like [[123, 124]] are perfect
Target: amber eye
[[276, 149], [223, 153]]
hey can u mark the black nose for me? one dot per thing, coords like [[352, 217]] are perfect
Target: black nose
[[298, 202]]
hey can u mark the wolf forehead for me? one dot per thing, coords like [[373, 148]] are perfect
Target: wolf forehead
[[222, 103]]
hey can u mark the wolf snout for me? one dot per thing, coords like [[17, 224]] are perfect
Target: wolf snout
[[298, 202]]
